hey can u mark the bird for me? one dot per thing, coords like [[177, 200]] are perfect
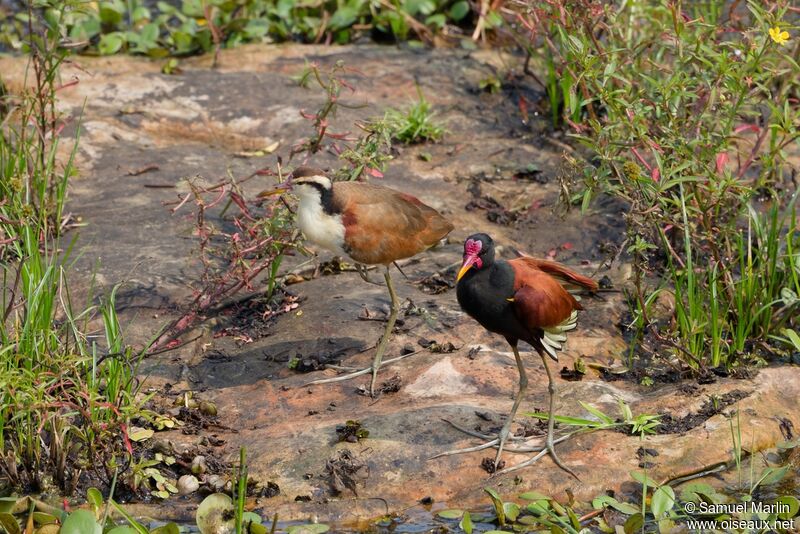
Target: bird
[[523, 299], [370, 224]]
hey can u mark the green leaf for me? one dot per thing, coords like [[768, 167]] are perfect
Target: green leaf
[[252, 518], [576, 44], [498, 505], [606, 500], [183, 41], [459, 10], [95, 498], [534, 496], [576, 524], [111, 13], [772, 475], [344, 17], [122, 530], [575, 421], [511, 510], [662, 502], [10, 524], [438, 20], [141, 13], [466, 523], [634, 524], [423, 7], [695, 491], [149, 33], [450, 514], [256, 28], [7, 504], [539, 508], [794, 506], [52, 17], [643, 479], [110, 43], [793, 337], [493, 20], [597, 413], [42, 518], [81, 522]]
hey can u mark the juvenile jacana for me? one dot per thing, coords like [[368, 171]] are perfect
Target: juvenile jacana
[[523, 299], [371, 224]]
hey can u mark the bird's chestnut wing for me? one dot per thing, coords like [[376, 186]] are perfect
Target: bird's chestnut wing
[[540, 301]]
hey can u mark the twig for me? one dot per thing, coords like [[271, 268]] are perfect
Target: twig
[[361, 372]]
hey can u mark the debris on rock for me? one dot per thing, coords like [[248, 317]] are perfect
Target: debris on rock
[[345, 472], [487, 464], [436, 347], [351, 432]]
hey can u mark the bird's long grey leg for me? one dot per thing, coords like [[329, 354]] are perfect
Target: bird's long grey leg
[[551, 389], [364, 274], [376, 364], [523, 386]]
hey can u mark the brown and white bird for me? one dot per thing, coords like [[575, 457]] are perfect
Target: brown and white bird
[[371, 224], [524, 299]]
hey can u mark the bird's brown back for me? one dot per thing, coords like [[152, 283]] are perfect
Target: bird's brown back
[[383, 225]]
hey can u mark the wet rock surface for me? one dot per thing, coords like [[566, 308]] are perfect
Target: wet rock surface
[[143, 133]]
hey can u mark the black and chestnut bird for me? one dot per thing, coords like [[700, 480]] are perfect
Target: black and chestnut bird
[[524, 299], [371, 224]]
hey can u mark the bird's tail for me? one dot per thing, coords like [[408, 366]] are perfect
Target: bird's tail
[[555, 336]]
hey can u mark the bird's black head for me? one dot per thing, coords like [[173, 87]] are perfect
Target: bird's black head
[[478, 253]]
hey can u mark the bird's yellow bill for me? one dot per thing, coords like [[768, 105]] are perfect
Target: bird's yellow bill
[[272, 192], [464, 268]]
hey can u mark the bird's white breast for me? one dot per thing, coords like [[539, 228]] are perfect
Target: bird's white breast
[[319, 227]]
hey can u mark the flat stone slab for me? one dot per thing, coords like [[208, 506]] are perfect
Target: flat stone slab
[[194, 125]]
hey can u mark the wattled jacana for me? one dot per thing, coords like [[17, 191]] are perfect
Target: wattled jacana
[[523, 299], [371, 224]]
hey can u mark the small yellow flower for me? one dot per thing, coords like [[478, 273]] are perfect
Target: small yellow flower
[[780, 37]]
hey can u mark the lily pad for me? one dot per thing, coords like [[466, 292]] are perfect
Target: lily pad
[[81, 522], [451, 514], [212, 512]]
